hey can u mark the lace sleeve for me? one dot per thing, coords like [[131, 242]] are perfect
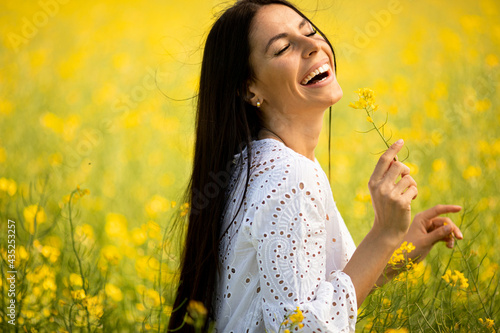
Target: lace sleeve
[[289, 235]]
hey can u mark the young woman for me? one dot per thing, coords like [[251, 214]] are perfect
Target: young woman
[[264, 234]]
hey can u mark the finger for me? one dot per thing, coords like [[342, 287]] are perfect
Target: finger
[[395, 170], [438, 210], [404, 183], [385, 160], [443, 221], [411, 193], [440, 234]]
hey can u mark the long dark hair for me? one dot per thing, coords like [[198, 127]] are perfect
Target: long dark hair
[[225, 124]]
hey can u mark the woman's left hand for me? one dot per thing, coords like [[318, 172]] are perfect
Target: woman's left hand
[[428, 228]]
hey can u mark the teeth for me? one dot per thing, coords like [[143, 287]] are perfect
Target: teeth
[[317, 71]]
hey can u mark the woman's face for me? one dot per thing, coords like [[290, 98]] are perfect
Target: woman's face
[[293, 67]]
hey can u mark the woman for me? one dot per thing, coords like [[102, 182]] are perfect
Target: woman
[[264, 235]]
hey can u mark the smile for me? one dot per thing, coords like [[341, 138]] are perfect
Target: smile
[[316, 76]]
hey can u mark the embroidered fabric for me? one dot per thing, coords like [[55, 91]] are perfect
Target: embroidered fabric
[[286, 247]]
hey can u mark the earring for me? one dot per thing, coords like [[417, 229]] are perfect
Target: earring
[[258, 104]]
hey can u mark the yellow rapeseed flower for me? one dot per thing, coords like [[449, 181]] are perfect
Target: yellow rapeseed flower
[[75, 280], [76, 195], [151, 298], [472, 172], [49, 284], [456, 278], [84, 233], [111, 254], [398, 255], [196, 314], [95, 307], [139, 236], [51, 253], [157, 204], [366, 100], [114, 292], [32, 214], [184, 209], [293, 320], [116, 225], [78, 295], [8, 185], [487, 322]]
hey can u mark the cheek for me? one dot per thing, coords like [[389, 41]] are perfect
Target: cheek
[[278, 73]]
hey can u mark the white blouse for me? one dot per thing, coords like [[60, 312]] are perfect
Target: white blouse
[[286, 247]]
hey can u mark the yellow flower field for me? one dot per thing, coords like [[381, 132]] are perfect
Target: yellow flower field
[[97, 132]]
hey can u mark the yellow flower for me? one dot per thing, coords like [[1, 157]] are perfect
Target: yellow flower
[[51, 252], [398, 255], [49, 284], [472, 172], [297, 317], [366, 100], [32, 214], [488, 323], [456, 277], [184, 209], [94, 305], [78, 295], [75, 280], [196, 313], [152, 298], [8, 185], [139, 236], [446, 276], [84, 233], [369, 119], [116, 225], [76, 195], [114, 292], [111, 254], [156, 205]]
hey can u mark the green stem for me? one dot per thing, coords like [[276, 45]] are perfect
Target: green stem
[[473, 281], [78, 259], [423, 316], [376, 128], [408, 300]]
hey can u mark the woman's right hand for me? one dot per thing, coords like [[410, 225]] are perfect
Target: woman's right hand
[[392, 201]]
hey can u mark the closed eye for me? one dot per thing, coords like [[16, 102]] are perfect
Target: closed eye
[[288, 45], [312, 33], [282, 50]]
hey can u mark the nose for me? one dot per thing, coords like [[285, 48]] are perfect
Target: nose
[[311, 46]]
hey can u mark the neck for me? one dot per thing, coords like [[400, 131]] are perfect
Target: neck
[[301, 136]]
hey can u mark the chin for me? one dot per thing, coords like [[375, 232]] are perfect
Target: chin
[[337, 93]]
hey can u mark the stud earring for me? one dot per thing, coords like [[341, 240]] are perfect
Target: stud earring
[[258, 104]]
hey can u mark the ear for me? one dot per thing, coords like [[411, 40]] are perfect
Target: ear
[[251, 94]]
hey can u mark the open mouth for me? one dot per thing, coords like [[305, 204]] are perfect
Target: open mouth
[[318, 75]]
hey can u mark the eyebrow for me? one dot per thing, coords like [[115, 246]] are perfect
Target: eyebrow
[[282, 35]]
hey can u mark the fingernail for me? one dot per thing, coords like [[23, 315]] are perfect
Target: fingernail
[[459, 234], [399, 142]]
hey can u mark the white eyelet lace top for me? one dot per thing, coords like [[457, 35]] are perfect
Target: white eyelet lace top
[[286, 247]]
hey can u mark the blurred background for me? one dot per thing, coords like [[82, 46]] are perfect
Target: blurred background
[[101, 96]]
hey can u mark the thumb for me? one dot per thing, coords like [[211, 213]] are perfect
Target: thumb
[[439, 234]]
